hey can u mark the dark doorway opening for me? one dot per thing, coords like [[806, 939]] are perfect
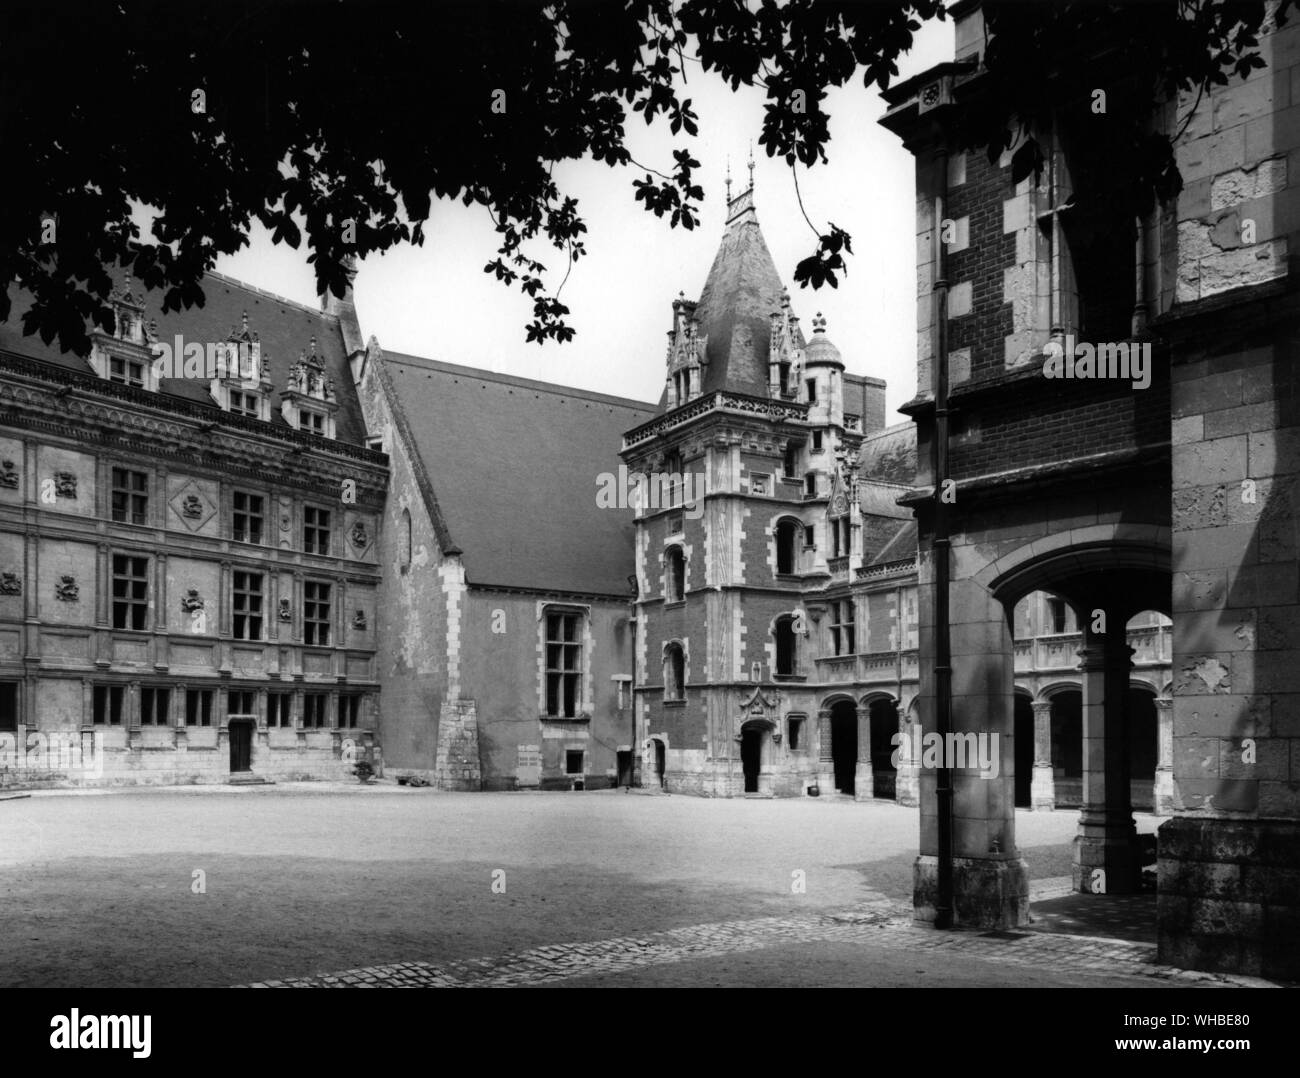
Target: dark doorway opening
[[1142, 748], [241, 746], [751, 756], [1024, 735], [659, 762], [883, 716], [844, 745], [1067, 748], [625, 768]]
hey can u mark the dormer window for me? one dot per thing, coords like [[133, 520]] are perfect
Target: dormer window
[[308, 401], [126, 356], [240, 379], [686, 354], [130, 372], [245, 404]]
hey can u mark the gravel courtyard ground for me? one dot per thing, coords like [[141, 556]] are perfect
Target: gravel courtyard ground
[[305, 879]]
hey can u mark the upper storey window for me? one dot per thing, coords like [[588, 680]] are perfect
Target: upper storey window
[[675, 575], [1086, 238]]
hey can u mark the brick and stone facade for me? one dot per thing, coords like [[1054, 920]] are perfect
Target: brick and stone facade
[[1172, 496]]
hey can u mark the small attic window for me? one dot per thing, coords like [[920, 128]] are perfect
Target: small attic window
[[311, 422], [129, 372], [245, 404]]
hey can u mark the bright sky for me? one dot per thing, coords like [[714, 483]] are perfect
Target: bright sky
[[436, 301]]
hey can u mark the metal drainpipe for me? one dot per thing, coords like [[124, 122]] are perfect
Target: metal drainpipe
[[943, 911]]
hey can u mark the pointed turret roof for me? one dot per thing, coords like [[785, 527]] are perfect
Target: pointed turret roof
[[742, 291]]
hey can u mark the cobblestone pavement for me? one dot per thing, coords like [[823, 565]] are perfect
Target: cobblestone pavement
[[878, 924], [284, 884]]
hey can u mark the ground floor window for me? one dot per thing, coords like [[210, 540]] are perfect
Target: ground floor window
[[8, 707], [279, 709], [107, 701], [796, 733], [349, 712], [313, 710], [155, 706], [573, 761], [198, 707]]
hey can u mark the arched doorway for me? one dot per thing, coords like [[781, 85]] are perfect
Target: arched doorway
[[1142, 747], [753, 745], [882, 717], [1023, 732], [1105, 583], [844, 745]]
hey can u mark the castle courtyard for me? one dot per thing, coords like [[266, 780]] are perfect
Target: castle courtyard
[[325, 883]]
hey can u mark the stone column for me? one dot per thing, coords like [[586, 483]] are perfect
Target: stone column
[[1106, 856], [1042, 790], [907, 783], [131, 720], [990, 879], [1164, 787], [826, 761], [864, 780]]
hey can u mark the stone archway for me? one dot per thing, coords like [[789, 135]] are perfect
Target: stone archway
[[1119, 568], [1106, 583]]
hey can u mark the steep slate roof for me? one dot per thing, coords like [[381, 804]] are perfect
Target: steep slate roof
[[515, 465], [890, 455], [902, 545], [283, 327], [742, 290]]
